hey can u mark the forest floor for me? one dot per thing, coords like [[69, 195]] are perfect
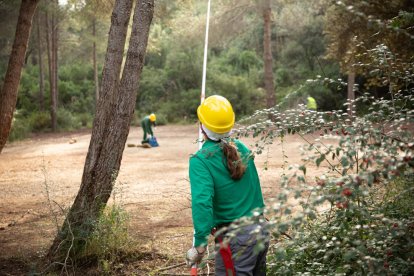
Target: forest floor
[[38, 176]]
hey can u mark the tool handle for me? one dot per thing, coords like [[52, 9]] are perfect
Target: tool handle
[[193, 271]]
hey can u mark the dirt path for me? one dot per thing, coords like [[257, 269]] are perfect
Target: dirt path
[[152, 185]]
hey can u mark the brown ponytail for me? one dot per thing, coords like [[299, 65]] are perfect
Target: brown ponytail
[[235, 164]]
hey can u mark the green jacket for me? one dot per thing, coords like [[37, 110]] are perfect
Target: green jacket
[[312, 104], [216, 198], [146, 125]]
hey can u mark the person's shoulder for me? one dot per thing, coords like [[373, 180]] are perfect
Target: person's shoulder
[[209, 149]]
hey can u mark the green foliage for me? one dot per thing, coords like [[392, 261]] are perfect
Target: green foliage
[[22, 126], [20, 129], [39, 121], [66, 120], [356, 216], [171, 79], [392, 19], [110, 238]]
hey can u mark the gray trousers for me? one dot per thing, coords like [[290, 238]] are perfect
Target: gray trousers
[[248, 261]]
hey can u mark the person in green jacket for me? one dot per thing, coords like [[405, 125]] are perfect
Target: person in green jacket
[[146, 125], [225, 187], [311, 103]]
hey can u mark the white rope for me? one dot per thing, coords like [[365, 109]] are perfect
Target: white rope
[[203, 91], [203, 84]]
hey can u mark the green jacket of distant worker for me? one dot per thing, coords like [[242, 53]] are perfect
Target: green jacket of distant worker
[[311, 105], [146, 125]]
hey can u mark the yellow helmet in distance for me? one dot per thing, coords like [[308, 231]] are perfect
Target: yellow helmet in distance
[[216, 114], [152, 117]]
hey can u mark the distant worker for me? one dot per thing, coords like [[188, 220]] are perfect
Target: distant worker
[[311, 104], [223, 192], [146, 125]]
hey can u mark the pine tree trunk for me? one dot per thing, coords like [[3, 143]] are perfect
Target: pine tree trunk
[[55, 32], [8, 94], [267, 56], [111, 124], [95, 65], [351, 92], [41, 74], [51, 64]]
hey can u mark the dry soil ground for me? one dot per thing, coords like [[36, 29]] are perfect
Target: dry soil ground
[[152, 186]]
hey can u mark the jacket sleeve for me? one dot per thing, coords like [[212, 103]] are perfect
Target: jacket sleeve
[[202, 193]]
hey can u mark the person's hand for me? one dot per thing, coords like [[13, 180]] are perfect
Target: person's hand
[[194, 255]]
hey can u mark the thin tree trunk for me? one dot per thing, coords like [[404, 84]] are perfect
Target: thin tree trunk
[[51, 62], [95, 65], [8, 94], [111, 123], [55, 33], [351, 93], [41, 74], [267, 56]]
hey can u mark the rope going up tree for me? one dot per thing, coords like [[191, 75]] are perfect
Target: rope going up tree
[[202, 97]]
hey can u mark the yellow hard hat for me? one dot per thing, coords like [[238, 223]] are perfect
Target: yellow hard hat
[[152, 117], [216, 113]]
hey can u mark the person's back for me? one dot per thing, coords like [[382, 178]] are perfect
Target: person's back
[[233, 199], [224, 188], [146, 124]]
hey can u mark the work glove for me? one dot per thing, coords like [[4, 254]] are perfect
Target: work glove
[[194, 256]]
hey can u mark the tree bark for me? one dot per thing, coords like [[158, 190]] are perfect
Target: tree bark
[[41, 73], [55, 38], [351, 93], [8, 94], [51, 65], [267, 56], [95, 65], [111, 124]]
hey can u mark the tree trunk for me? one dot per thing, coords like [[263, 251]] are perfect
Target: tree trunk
[[111, 124], [351, 93], [41, 74], [8, 94], [55, 32], [267, 56], [95, 65], [51, 64]]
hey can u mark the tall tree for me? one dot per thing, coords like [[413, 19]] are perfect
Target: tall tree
[[95, 63], [267, 54], [368, 24], [52, 54], [232, 15], [93, 12], [112, 121], [8, 94], [40, 57]]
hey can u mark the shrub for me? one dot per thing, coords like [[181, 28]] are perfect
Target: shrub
[[40, 121], [356, 216], [110, 238], [20, 129], [66, 120], [85, 119]]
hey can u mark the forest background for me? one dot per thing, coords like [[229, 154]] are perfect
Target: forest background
[[266, 57], [302, 43]]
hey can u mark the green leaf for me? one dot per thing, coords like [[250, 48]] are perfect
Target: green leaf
[[303, 169], [344, 161], [320, 159]]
